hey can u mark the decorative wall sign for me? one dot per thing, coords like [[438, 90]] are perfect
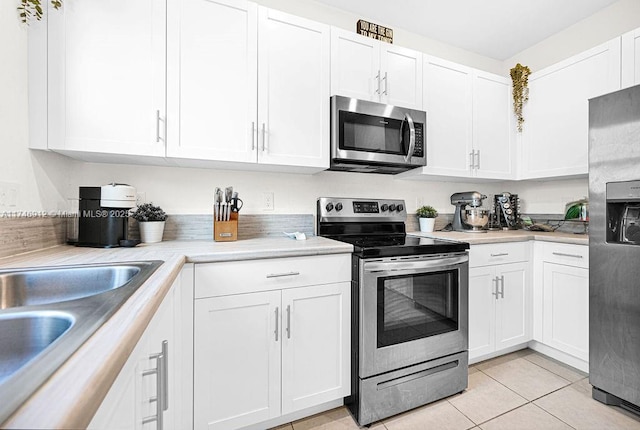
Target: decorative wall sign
[[374, 31]]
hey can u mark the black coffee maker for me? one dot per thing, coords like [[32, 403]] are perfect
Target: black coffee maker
[[103, 215]]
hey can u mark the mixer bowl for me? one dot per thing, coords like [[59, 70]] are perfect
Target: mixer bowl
[[476, 218]]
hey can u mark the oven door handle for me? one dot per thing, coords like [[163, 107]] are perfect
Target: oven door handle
[[392, 266]]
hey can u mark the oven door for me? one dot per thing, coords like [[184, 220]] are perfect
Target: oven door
[[412, 309]]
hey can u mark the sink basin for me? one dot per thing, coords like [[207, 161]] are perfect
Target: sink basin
[[46, 314], [49, 285], [25, 335]]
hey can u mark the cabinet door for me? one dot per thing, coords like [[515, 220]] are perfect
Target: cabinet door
[[316, 345], [401, 76], [128, 405], [556, 127], [482, 298], [513, 315], [631, 58], [566, 309], [293, 90], [237, 360], [106, 83], [212, 79], [493, 129], [448, 102], [355, 65]]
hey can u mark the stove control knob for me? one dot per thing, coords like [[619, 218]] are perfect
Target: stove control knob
[[338, 207], [329, 207], [400, 208], [384, 207], [392, 207]]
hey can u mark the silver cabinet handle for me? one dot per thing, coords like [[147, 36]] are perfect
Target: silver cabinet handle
[[501, 254], [288, 321], [280, 275], [253, 136], [276, 330], [378, 79], [264, 137], [495, 290], [501, 286], [562, 254], [478, 162], [471, 160], [162, 385], [386, 84]]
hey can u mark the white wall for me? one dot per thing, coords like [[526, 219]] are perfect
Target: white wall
[[610, 22], [39, 178]]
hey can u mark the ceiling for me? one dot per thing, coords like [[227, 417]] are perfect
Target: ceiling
[[497, 29]]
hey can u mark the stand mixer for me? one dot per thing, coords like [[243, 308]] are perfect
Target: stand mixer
[[469, 220]]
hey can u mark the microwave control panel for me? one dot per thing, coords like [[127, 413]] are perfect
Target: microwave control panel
[[418, 150]]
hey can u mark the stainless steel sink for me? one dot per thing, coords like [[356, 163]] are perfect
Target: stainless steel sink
[[46, 314], [25, 335], [51, 285]]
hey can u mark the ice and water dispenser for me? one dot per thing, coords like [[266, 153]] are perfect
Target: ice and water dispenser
[[623, 212]]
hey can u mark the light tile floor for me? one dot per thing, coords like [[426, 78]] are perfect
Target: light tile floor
[[524, 390]]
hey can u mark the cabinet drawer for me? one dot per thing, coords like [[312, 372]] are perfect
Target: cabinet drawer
[[237, 277], [567, 254], [498, 253]]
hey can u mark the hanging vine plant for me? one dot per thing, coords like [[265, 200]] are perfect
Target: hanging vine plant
[[520, 78], [32, 9]]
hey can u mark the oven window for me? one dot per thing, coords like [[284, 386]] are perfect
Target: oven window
[[416, 306], [360, 132]]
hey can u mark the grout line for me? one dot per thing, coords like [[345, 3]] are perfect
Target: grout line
[[558, 418], [576, 371]]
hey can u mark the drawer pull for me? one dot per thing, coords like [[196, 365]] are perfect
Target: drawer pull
[[502, 254], [562, 254], [277, 319], [280, 275]]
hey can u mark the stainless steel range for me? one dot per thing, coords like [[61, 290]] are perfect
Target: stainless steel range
[[410, 308]]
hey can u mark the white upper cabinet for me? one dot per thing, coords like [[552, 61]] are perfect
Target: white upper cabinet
[[247, 84], [469, 127], [293, 90], [555, 132], [631, 58], [448, 102], [367, 69], [106, 77], [493, 126], [213, 77]]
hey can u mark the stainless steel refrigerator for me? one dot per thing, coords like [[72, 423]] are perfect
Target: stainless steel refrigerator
[[614, 248]]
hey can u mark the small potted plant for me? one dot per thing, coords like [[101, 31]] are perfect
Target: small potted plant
[[151, 221], [427, 218]]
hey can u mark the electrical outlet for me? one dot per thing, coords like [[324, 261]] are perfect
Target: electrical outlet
[[141, 198], [419, 202], [267, 201]]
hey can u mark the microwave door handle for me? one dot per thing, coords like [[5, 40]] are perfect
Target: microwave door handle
[[412, 137]]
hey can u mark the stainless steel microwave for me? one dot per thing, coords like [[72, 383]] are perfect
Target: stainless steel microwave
[[373, 137]]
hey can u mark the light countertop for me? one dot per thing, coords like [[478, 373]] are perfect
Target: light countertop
[[502, 236]]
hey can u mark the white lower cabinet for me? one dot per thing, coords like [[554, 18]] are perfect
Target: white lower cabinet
[[151, 372], [562, 293], [499, 298], [281, 349]]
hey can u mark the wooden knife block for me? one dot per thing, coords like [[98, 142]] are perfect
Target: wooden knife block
[[226, 231]]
